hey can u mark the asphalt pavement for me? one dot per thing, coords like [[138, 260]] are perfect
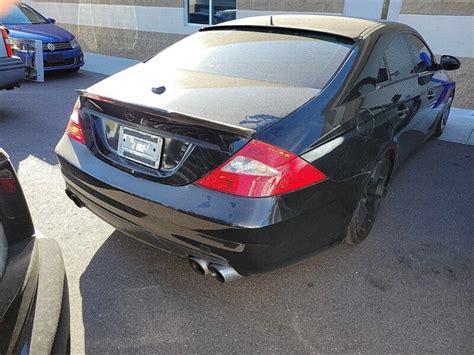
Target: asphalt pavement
[[408, 288]]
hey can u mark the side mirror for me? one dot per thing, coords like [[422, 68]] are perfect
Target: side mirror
[[51, 21], [448, 62]]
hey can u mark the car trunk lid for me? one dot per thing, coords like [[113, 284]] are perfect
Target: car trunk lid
[[202, 119], [221, 99]]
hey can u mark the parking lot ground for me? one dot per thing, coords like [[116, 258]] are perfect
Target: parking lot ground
[[408, 288]]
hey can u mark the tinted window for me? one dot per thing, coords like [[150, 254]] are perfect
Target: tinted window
[[398, 58], [420, 53], [198, 11], [282, 58], [221, 11], [23, 15]]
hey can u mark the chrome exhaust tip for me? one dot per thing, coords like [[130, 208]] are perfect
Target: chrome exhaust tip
[[223, 273], [200, 266]]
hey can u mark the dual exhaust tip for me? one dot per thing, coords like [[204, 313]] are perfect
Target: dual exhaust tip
[[221, 273]]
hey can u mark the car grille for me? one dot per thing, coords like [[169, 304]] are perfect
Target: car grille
[[59, 46], [69, 61]]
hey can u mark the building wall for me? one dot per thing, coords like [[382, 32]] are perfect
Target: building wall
[[138, 29], [329, 6], [438, 7], [448, 27]]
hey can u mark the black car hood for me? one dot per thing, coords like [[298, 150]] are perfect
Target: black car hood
[[229, 100]]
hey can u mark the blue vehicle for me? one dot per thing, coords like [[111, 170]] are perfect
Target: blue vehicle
[[61, 50]]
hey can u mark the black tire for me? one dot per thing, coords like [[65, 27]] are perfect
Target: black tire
[[443, 119], [366, 210]]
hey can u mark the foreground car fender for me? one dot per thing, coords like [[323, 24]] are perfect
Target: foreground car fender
[[34, 305], [51, 321]]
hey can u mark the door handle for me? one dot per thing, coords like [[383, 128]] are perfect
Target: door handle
[[403, 111], [431, 95]]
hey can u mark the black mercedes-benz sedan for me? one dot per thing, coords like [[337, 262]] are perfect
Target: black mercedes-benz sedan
[[34, 305], [257, 142]]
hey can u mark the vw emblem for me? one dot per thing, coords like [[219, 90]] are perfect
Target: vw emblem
[[51, 47]]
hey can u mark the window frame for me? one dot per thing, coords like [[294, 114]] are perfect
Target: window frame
[[186, 15], [407, 38], [209, 20]]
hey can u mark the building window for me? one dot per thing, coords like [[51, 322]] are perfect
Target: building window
[[209, 12]]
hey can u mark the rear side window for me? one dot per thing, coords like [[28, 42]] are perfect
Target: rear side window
[[288, 59], [421, 55], [398, 58]]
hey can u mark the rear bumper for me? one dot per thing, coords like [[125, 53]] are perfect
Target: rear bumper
[[253, 235], [12, 72]]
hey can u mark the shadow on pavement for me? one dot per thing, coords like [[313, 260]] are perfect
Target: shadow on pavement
[[150, 301]]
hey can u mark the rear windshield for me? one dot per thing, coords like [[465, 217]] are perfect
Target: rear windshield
[[22, 15], [288, 59]]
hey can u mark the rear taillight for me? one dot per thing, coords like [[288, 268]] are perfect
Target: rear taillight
[[74, 128], [262, 170], [8, 183], [6, 40]]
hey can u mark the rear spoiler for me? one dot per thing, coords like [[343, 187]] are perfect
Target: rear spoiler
[[175, 117], [281, 29]]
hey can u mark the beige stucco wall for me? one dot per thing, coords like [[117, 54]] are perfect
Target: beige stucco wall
[[438, 7], [159, 3], [332, 6], [122, 43], [464, 78]]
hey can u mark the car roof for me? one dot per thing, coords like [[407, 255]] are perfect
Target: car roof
[[349, 27]]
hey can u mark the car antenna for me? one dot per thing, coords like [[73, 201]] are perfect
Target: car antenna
[[271, 20]]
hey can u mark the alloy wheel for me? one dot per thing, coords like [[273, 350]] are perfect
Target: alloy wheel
[[367, 208]]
